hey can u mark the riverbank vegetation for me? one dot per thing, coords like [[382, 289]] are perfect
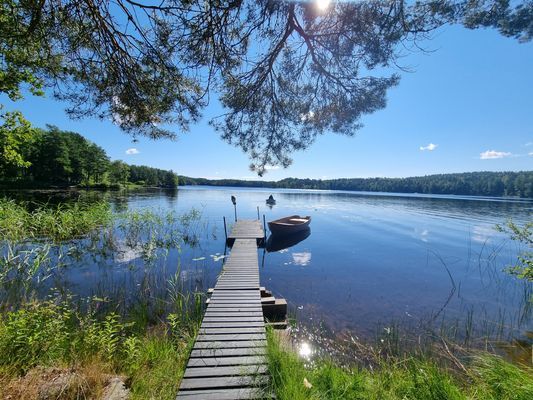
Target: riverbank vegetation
[[70, 346], [87, 348], [55, 343], [51, 157], [517, 184], [25, 221], [482, 377]]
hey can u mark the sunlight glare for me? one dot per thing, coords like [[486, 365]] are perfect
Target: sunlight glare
[[305, 350], [323, 4]]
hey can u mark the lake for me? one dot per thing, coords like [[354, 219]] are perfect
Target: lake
[[371, 261]]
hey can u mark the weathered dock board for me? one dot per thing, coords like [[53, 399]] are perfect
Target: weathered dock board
[[228, 358], [247, 229]]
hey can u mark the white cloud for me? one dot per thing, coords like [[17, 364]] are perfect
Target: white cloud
[[530, 153], [132, 151], [429, 147], [493, 154], [529, 144], [271, 167]]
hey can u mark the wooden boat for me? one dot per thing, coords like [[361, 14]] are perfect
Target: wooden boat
[[288, 225]]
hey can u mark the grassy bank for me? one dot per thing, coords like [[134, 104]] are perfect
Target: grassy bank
[[49, 337], [484, 377], [25, 221]]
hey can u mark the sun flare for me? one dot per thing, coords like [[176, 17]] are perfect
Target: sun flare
[[322, 5]]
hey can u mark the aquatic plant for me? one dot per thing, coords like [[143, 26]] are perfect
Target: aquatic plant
[[24, 221]]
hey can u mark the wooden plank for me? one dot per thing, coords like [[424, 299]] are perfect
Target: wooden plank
[[229, 344], [233, 300], [226, 331], [236, 306], [223, 361], [237, 309], [221, 394], [232, 319], [223, 382], [225, 371], [235, 286], [241, 294], [232, 324], [230, 337], [223, 352], [213, 313]]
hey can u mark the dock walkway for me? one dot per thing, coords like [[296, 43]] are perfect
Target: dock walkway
[[228, 358]]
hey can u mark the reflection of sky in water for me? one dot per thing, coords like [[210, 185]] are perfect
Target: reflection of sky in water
[[482, 233], [303, 258], [375, 258]]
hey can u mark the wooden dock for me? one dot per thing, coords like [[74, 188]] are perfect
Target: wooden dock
[[228, 358]]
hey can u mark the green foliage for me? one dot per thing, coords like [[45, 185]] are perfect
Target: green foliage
[[50, 334], [38, 334], [63, 222], [488, 378], [518, 184], [524, 235], [25, 55], [119, 172], [149, 66], [15, 133], [149, 176], [55, 157]]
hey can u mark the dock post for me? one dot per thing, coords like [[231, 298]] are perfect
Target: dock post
[[258, 213], [264, 227], [225, 229]]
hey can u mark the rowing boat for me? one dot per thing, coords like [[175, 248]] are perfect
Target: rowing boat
[[288, 225]]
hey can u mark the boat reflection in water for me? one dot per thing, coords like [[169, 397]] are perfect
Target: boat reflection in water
[[277, 242]]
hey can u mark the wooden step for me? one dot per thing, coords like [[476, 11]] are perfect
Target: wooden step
[[276, 311], [268, 300]]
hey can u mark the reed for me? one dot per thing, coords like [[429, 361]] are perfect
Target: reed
[[28, 221]]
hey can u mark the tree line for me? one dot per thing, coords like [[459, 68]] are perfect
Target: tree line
[[519, 184], [52, 157]]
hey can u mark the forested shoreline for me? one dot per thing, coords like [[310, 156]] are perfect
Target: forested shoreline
[[498, 184], [56, 158]]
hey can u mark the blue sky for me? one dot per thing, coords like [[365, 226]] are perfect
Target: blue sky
[[469, 104]]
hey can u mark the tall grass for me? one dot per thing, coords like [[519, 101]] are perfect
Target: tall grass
[[63, 222], [487, 377]]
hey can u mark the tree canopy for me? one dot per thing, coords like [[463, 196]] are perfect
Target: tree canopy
[[56, 157], [285, 71]]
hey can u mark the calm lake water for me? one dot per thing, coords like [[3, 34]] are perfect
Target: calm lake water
[[371, 260]]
